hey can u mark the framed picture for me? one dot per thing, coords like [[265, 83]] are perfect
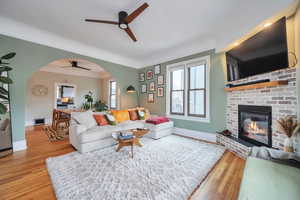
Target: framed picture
[[150, 98], [149, 74], [142, 77], [160, 80], [152, 86], [160, 91], [144, 88], [157, 69]]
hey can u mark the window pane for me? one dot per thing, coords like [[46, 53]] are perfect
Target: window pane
[[113, 102], [196, 102], [177, 102], [178, 79], [113, 86], [197, 77]]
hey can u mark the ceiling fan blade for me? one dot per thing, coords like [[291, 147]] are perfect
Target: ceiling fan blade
[[136, 13], [131, 35], [82, 68], [102, 21]]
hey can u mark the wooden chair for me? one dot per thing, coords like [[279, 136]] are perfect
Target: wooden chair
[[59, 127], [58, 118]]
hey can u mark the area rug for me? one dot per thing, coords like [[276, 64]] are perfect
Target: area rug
[[166, 169]]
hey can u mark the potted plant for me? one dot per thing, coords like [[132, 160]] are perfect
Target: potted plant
[[4, 67], [89, 100], [100, 106], [288, 126]]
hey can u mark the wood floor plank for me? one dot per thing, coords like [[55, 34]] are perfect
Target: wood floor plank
[[24, 175]]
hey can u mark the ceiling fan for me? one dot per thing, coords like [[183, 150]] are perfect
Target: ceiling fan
[[74, 64], [124, 20]]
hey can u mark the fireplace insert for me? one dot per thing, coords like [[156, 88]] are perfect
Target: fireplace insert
[[255, 124]]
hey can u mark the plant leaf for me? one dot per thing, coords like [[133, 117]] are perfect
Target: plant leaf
[[3, 91], [3, 97], [5, 69], [3, 63], [8, 56], [3, 108], [4, 79]]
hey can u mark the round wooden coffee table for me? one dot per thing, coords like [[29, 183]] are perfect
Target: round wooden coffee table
[[138, 133]]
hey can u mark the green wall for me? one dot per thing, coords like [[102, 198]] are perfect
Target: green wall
[[217, 98], [31, 56]]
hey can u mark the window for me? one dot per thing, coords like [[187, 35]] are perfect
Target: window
[[196, 90], [177, 91], [113, 94], [187, 90]]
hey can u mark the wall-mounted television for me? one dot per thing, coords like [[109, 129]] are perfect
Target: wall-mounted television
[[264, 52]]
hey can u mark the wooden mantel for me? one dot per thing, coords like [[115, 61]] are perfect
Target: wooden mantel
[[257, 85]]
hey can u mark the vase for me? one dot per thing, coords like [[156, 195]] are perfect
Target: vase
[[288, 145]]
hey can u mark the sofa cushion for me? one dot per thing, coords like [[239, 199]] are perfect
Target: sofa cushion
[[158, 127], [131, 125], [84, 118], [121, 115], [133, 115], [146, 113], [98, 133], [157, 120], [111, 119], [101, 120]]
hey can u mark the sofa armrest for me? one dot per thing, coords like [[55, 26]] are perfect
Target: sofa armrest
[[76, 129]]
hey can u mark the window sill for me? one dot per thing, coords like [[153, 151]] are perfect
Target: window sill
[[189, 118]]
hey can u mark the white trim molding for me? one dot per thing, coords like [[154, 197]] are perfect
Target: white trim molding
[[210, 137], [186, 64], [19, 145]]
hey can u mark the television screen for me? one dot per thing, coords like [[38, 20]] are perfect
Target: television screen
[[264, 52]]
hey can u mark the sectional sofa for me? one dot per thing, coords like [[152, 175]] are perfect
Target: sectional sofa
[[86, 135]]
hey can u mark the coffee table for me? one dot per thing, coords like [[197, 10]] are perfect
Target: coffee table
[[138, 133]]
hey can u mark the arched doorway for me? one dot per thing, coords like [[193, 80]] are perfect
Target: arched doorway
[[63, 85]]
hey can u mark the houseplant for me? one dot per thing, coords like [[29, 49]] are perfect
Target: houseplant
[[290, 127], [100, 106], [4, 67], [89, 101]]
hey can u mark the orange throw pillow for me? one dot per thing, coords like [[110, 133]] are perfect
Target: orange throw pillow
[[133, 115], [121, 115], [101, 120]]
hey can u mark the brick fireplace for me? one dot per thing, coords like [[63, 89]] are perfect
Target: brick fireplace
[[280, 100]]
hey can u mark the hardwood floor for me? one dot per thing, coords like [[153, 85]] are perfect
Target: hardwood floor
[[23, 175]]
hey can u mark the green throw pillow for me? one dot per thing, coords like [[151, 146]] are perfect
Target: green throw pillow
[[111, 119], [141, 114]]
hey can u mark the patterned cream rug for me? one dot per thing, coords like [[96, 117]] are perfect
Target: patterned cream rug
[[166, 169]]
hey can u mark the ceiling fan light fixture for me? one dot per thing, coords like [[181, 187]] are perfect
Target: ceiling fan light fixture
[[123, 26]]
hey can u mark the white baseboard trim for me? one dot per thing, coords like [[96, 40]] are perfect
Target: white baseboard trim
[[19, 145], [211, 137]]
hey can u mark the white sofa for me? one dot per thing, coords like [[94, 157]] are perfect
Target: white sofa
[[89, 136]]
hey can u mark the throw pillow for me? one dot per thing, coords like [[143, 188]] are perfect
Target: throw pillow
[[101, 120], [133, 115], [120, 115], [141, 114], [85, 118], [111, 119]]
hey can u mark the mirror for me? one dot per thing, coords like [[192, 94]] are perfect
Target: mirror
[[5, 126]]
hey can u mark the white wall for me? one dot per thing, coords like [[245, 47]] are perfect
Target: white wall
[[42, 106]]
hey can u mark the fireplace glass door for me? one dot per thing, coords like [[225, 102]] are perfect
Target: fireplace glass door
[[255, 126]]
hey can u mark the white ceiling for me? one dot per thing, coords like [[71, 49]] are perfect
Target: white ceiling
[[166, 30], [63, 66]]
